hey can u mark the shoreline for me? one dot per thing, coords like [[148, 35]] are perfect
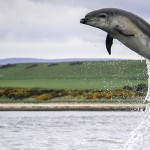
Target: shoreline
[[71, 107]]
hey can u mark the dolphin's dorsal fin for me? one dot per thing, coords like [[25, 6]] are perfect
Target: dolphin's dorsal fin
[[109, 42], [123, 31]]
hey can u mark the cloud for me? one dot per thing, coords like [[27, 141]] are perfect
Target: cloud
[[55, 20], [26, 20], [74, 48]]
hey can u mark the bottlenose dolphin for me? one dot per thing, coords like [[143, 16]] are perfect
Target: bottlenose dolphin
[[128, 28]]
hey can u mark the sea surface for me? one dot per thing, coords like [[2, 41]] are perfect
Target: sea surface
[[66, 130]]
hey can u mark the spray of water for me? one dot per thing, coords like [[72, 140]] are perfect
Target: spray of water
[[148, 72], [140, 137]]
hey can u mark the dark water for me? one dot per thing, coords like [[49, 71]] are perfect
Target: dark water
[[66, 130]]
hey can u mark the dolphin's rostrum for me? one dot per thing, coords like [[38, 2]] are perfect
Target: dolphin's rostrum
[[128, 28]]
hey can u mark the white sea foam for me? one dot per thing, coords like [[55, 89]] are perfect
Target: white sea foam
[[140, 137], [147, 98]]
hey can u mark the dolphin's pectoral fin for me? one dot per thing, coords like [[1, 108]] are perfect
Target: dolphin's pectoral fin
[[124, 31], [109, 42]]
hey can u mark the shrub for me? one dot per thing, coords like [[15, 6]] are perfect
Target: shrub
[[126, 87], [75, 63], [141, 88], [62, 93], [17, 93], [52, 64], [107, 94], [2, 92], [120, 93], [31, 66], [124, 93], [7, 66], [94, 95], [45, 96]]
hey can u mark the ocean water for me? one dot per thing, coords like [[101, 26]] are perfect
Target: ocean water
[[76, 130]]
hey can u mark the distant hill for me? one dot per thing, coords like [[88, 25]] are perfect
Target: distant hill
[[34, 60], [74, 75]]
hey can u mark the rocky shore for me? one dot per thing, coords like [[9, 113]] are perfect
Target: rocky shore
[[71, 107]]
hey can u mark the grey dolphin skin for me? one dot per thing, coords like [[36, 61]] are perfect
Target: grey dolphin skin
[[128, 28]]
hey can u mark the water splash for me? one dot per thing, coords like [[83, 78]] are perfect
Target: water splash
[[147, 98], [140, 137]]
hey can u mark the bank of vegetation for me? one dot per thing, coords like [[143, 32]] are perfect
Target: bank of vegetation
[[127, 93], [103, 81]]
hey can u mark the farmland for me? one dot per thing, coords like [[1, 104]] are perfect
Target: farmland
[[74, 75]]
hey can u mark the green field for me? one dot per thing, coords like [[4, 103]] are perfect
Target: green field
[[75, 75]]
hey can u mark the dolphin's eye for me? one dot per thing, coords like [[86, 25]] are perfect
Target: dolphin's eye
[[102, 16]]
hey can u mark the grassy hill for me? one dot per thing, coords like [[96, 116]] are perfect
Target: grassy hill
[[74, 75]]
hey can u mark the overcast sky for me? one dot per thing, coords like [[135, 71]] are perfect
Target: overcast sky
[[51, 29]]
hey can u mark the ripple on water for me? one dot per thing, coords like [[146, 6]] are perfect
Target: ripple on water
[[66, 130]]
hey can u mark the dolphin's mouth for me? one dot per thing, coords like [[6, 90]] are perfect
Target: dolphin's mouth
[[84, 20]]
